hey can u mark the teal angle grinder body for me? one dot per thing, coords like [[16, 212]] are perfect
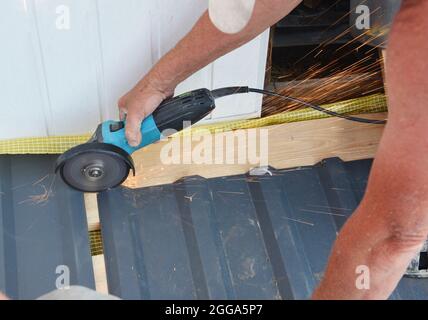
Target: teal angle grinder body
[[104, 162]]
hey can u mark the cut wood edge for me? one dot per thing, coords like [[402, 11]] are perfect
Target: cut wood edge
[[98, 263], [91, 206], [290, 145], [100, 274]]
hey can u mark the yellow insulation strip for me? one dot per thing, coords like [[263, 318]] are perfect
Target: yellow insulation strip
[[96, 242], [48, 145], [59, 144], [371, 104]]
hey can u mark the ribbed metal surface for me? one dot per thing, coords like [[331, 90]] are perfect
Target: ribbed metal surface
[[237, 237], [42, 227]]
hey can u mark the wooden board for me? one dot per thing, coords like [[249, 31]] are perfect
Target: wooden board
[[290, 145], [91, 206], [100, 274]]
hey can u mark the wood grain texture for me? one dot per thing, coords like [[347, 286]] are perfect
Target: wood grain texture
[[91, 206], [100, 274], [290, 145]]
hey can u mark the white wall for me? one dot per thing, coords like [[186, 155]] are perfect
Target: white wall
[[61, 82]]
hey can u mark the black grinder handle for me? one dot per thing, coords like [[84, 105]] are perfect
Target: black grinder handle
[[189, 107]]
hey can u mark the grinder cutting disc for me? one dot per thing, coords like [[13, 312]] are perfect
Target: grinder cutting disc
[[94, 166]]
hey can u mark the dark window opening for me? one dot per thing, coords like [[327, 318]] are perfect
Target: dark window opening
[[314, 56], [423, 261]]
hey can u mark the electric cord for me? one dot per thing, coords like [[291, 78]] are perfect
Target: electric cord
[[218, 93]]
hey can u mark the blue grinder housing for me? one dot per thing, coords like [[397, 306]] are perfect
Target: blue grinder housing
[[172, 114]]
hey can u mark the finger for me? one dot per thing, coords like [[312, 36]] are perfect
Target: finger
[[133, 128], [122, 107], [122, 114]]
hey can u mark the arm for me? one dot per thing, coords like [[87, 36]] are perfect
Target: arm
[[391, 224], [204, 44]]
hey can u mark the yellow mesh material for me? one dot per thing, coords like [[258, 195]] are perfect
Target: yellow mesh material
[[49, 145], [371, 104], [96, 242], [57, 145]]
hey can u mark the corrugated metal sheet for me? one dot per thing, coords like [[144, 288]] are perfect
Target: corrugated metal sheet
[[42, 227], [237, 237]]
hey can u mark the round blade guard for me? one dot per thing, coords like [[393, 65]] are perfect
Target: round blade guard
[[94, 167]]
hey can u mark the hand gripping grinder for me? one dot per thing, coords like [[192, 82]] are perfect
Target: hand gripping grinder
[[104, 162]]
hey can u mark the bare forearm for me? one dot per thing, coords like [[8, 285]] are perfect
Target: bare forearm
[[368, 259], [202, 45], [205, 43], [391, 224]]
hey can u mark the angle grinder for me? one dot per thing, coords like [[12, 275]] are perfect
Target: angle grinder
[[104, 162]]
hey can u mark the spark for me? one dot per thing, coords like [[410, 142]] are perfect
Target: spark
[[342, 82], [44, 197], [300, 221], [323, 212]]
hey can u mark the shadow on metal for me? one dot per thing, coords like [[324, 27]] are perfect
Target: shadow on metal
[[43, 230]]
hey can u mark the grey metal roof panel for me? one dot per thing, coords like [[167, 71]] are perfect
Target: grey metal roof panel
[[42, 226], [238, 237]]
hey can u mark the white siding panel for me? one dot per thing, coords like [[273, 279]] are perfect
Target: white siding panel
[[70, 62], [21, 80], [126, 34], [242, 67], [60, 82]]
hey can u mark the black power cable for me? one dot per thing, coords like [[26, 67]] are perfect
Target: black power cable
[[236, 90]]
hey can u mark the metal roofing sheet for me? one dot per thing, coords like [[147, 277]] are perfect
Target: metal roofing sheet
[[42, 226], [239, 237]]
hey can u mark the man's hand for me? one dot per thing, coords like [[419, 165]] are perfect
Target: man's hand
[[201, 46], [139, 103]]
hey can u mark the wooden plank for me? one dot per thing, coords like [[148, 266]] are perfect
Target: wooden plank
[[290, 145], [100, 274], [98, 263], [91, 206]]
